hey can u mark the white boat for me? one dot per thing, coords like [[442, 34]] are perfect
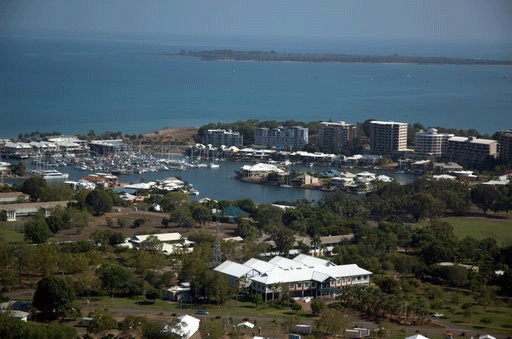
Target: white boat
[[214, 166], [49, 174]]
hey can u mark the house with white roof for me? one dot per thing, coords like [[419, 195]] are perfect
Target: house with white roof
[[171, 242], [302, 276], [260, 170], [187, 327]]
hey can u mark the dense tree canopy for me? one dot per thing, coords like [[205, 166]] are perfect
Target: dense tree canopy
[[37, 231], [53, 296], [34, 187], [98, 202]]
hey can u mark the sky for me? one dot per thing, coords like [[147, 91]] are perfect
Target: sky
[[448, 20]]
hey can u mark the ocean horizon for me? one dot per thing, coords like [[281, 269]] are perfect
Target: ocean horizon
[[72, 84]]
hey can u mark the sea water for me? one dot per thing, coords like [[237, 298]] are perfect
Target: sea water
[[76, 84]]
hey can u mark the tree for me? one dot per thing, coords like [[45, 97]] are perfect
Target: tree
[[317, 307], [200, 213], [104, 237], [173, 200], [18, 169], [152, 295], [53, 296], [423, 205], [245, 228], [217, 287], [182, 217], [57, 192], [98, 202], [283, 239], [485, 196], [269, 217], [114, 277], [55, 223], [293, 219], [151, 244], [102, 320], [34, 187], [12, 328], [37, 231], [122, 222], [138, 222], [331, 321]]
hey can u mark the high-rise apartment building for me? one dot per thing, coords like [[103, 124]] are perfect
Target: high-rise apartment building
[[387, 137], [281, 137], [218, 137], [336, 135], [505, 146], [470, 151], [431, 143]]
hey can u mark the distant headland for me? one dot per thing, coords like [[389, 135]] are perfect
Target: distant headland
[[226, 54]]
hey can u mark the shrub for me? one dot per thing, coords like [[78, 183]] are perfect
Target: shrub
[[486, 320]]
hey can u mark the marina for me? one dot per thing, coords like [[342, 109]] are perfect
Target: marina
[[208, 182]]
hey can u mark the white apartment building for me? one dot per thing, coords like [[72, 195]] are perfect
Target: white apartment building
[[470, 150], [388, 137], [281, 137], [336, 135], [219, 137], [430, 143]]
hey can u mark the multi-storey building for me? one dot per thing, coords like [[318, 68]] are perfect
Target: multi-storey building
[[281, 137], [261, 137], [302, 276], [218, 137], [470, 151], [505, 146], [387, 137], [336, 135], [430, 143]]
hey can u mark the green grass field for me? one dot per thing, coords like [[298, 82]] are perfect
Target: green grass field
[[10, 236], [480, 228]]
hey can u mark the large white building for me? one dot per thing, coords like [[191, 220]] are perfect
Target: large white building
[[387, 137], [430, 143], [219, 137], [281, 137], [470, 150], [336, 135], [301, 276]]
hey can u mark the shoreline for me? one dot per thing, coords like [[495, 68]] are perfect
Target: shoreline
[[262, 56], [357, 63]]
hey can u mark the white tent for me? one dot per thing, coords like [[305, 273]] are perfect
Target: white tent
[[246, 324], [417, 336], [487, 336]]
